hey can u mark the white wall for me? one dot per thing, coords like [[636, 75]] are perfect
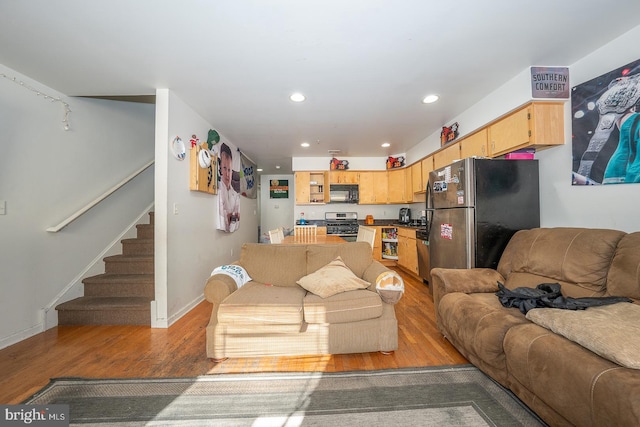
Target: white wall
[[275, 213], [46, 174], [188, 246], [561, 204]]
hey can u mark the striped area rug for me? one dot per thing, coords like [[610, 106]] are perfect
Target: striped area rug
[[439, 396]]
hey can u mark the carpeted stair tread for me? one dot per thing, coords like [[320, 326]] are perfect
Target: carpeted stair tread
[[122, 294], [106, 303], [122, 278]]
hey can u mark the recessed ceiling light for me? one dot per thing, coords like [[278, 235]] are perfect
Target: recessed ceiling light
[[429, 99], [259, 169], [297, 97], [277, 166], [386, 144], [305, 144]]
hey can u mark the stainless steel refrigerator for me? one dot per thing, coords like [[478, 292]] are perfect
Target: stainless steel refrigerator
[[475, 206]]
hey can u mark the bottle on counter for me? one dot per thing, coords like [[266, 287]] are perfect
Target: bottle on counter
[[302, 220]]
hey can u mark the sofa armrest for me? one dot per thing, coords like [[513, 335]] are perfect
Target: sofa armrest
[[218, 287], [372, 272], [474, 280]]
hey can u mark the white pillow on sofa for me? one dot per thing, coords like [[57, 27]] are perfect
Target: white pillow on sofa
[[610, 331], [332, 279]]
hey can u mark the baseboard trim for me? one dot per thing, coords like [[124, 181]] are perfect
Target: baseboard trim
[[173, 319], [20, 336]]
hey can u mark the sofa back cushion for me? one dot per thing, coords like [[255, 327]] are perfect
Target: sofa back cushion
[[356, 255], [577, 258], [280, 265], [624, 274]]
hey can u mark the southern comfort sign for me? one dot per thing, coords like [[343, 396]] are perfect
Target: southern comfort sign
[[550, 82]]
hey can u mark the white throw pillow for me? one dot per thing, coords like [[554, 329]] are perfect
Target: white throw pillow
[[236, 272], [332, 279]]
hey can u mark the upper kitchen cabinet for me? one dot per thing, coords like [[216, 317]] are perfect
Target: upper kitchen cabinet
[[373, 187], [537, 125], [311, 187], [344, 177], [447, 155], [475, 145], [427, 166], [416, 178], [397, 186]]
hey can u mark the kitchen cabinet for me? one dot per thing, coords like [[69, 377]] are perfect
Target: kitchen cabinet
[[447, 155], [475, 145], [538, 125], [373, 187], [427, 166], [344, 177], [389, 241], [407, 250], [416, 178], [397, 186], [311, 188]]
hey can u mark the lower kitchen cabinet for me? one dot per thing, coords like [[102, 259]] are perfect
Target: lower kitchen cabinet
[[407, 250]]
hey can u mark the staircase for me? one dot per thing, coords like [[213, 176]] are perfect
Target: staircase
[[122, 295]]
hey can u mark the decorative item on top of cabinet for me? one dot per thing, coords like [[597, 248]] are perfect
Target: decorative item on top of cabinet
[[448, 134], [538, 125]]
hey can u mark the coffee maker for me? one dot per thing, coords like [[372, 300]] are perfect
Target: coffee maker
[[405, 216]]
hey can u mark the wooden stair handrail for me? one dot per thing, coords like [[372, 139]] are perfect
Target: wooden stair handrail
[[98, 199]]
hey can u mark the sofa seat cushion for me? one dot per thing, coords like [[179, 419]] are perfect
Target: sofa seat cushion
[[476, 324], [585, 388], [263, 305], [611, 331], [346, 307]]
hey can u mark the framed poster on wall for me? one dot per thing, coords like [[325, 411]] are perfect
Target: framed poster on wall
[[606, 128], [279, 189]]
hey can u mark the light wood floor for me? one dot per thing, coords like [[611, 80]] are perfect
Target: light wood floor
[[179, 351]]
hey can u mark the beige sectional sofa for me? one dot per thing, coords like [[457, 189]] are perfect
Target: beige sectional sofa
[[272, 315], [586, 373]]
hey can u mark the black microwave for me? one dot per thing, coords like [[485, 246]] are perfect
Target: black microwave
[[343, 193]]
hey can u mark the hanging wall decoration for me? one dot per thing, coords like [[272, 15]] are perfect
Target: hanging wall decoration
[[248, 187], [203, 167], [178, 149], [228, 188], [279, 189], [606, 128]]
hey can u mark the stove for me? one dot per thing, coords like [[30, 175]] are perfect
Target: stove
[[343, 224]]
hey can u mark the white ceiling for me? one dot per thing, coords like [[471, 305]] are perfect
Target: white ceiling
[[364, 65]]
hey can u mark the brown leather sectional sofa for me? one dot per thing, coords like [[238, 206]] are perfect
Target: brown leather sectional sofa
[[272, 315], [577, 381]]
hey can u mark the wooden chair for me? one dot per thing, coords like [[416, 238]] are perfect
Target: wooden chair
[[305, 232], [276, 236], [366, 234]]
